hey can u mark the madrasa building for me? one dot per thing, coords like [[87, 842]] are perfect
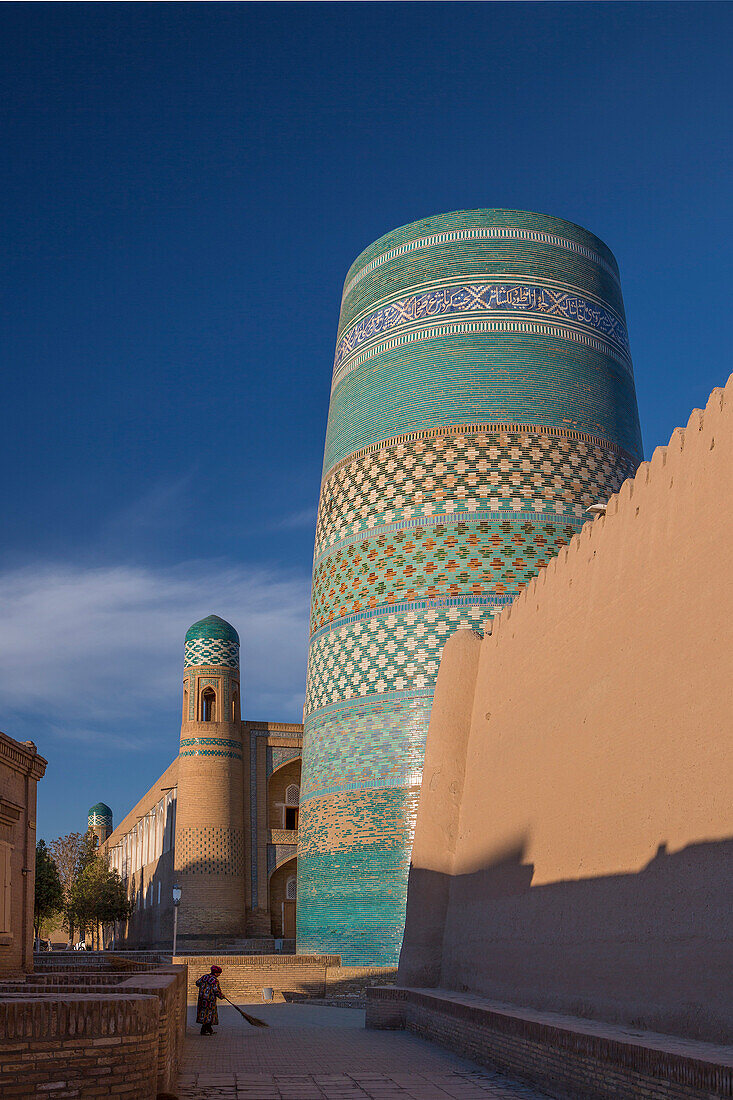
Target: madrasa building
[[482, 400], [221, 823]]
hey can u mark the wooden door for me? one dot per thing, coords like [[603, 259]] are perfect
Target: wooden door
[[289, 920]]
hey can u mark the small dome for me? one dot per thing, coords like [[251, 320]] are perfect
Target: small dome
[[212, 628], [100, 809], [212, 641]]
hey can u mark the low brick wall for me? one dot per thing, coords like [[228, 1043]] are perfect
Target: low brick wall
[[568, 1058], [67, 978], [345, 980], [79, 1046], [245, 976], [49, 962], [167, 985]]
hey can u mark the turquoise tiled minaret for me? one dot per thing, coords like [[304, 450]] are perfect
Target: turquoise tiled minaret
[[482, 398], [99, 821]]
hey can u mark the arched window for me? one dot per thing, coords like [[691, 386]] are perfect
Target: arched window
[[185, 704], [208, 705], [291, 889], [235, 706], [292, 795], [292, 798]]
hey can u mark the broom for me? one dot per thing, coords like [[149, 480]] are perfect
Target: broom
[[253, 1020]]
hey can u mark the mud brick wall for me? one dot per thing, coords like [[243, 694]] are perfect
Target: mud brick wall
[[79, 1046], [571, 1060], [169, 986], [245, 976], [594, 720]]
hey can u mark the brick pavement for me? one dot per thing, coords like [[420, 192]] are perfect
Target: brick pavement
[[314, 1053]]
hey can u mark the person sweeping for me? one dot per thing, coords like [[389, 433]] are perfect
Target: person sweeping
[[207, 1013]]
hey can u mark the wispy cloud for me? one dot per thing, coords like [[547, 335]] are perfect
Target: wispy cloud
[[99, 740], [304, 517], [101, 649], [164, 505]]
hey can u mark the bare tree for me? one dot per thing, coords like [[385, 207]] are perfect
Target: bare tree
[[71, 854]]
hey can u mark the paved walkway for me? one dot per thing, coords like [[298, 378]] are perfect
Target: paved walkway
[[316, 1053]]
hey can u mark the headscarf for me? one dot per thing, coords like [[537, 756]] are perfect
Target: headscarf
[[216, 970]]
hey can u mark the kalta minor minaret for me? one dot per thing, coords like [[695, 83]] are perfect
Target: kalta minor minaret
[[209, 849]]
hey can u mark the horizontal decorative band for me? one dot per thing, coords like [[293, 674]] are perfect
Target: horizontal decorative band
[[477, 429], [494, 232], [361, 785], [450, 519], [472, 298], [497, 602], [220, 741], [211, 752], [363, 700], [419, 332]]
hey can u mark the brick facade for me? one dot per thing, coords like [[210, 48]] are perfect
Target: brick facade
[[20, 769]]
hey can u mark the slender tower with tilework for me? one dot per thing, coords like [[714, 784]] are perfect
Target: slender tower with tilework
[[209, 847], [99, 821], [482, 398]]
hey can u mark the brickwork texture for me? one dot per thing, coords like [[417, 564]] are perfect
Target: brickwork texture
[[570, 1059], [244, 977], [101, 1031]]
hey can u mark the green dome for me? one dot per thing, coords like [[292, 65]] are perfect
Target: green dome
[[100, 809], [210, 628]]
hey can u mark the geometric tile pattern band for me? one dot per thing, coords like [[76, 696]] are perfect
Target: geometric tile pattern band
[[211, 651], [460, 456]]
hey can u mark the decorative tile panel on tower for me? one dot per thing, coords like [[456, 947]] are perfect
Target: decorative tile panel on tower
[[482, 399]]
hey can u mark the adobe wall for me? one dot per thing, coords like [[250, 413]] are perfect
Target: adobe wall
[[584, 860]]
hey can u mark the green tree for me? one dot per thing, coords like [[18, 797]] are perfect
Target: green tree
[[49, 897], [98, 898], [112, 902]]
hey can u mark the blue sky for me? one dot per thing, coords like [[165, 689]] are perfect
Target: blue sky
[[184, 188]]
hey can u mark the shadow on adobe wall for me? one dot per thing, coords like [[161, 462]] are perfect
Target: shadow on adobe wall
[[652, 949]]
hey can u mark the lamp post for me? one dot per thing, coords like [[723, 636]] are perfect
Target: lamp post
[[176, 903]]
